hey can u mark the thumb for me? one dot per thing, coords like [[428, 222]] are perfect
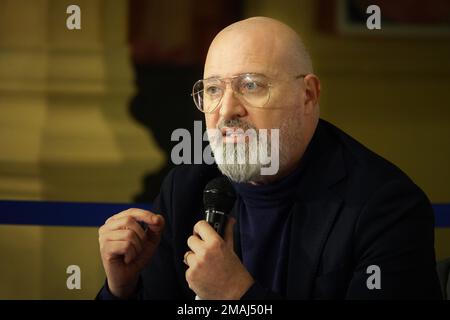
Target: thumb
[[228, 237]]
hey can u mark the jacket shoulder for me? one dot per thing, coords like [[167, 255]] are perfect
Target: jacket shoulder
[[367, 172]]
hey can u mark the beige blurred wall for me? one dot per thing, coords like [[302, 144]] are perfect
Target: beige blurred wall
[[65, 134], [65, 129], [389, 93]]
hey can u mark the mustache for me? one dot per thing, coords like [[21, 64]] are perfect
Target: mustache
[[235, 123]]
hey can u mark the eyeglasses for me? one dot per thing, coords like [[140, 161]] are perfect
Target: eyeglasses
[[252, 89]]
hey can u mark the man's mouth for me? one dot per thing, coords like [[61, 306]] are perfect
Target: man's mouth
[[233, 134]]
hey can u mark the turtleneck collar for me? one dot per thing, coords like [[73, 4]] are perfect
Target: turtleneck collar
[[279, 192]]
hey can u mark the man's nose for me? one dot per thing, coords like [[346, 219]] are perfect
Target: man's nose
[[231, 107]]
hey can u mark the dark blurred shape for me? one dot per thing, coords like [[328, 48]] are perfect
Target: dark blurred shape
[[168, 48], [400, 17], [409, 12], [163, 104], [443, 268]]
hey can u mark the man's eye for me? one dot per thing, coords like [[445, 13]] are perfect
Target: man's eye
[[212, 90], [251, 87]]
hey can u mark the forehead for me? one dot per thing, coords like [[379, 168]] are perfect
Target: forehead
[[240, 76], [232, 54]]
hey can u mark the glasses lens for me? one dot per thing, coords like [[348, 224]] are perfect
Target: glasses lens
[[212, 94], [197, 94], [254, 89], [207, 94]]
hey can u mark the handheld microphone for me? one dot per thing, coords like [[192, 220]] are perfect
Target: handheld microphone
[[218, 199]]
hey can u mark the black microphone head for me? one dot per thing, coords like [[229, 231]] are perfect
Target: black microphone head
[[219, 195]]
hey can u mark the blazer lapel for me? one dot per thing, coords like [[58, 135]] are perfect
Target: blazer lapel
[[311, 223], [314, 212]]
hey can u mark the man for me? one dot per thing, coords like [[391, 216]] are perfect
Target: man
[[335, 221]]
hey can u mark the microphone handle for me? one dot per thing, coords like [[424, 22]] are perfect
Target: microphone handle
[[217, 219]]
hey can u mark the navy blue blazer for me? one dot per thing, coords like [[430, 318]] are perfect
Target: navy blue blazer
[[353, 209]]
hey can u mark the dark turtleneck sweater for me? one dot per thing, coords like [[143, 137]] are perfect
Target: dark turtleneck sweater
[[264, 224]]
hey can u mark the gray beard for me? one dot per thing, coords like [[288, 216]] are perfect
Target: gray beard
[[236, 165], [244, 163]]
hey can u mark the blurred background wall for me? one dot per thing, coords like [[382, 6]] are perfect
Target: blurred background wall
[[68, 130]]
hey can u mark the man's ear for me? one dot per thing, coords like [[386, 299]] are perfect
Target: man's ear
[[312, 92]]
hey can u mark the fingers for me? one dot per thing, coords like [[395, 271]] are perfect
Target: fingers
[[124, 242], [195, 244], [205, 231], [205, 239], [126, 222], [146, 216], [157, 225], [113, 249], [121, 235], [125, 235], [154, 221], [188, 256]]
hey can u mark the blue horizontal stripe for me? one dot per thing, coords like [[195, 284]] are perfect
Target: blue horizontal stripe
[[442, 215], [87, 214], [77, 214]]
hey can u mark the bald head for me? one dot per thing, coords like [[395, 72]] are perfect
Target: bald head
[[259, 44]]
